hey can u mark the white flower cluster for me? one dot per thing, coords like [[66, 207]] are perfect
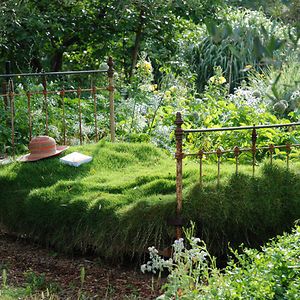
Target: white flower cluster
[[243, 96], [156, 262], [195, 254]]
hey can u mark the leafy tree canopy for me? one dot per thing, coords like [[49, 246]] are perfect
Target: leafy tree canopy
[[38, 35]]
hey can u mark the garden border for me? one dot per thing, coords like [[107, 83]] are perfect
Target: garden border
[[180, 155]]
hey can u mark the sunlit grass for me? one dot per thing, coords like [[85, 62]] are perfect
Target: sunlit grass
[[120, 203]]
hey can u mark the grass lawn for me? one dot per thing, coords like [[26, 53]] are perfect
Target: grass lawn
[[119, 203]]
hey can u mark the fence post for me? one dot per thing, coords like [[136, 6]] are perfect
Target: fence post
[[179, 157], [110, 74], [253, 148]]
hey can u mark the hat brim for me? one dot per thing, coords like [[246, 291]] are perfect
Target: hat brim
[[31, 157]]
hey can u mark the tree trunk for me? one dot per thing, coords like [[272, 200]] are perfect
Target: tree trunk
[[57, 60], [36, 64], [138, 38]]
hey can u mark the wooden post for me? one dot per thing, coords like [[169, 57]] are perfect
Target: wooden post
[[110, 74], [179, 157]]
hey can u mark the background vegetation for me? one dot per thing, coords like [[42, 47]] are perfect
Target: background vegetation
[[229, 65], [221, 63]]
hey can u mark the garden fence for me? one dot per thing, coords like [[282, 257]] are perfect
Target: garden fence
[[11, 93], [236, 151]]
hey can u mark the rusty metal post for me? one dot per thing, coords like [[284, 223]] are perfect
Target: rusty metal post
[[29, 114], [236, 151], [200, 155], [44, 82], [79, 114], [110, 74], [93, 89], [288, 151], [62, 95], [271, 149], [254, 138], [219, 154], [179, 157]]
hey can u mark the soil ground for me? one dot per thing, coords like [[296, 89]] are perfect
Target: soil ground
[[101, 281]]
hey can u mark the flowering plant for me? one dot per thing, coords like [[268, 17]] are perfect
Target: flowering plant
[[189, 267]]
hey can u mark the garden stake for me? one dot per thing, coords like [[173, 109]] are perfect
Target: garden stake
[[179, 157], [110, 74]]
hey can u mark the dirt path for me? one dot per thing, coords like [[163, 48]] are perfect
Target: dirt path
[[63, 273]]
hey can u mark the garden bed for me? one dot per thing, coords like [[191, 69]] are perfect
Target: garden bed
[[119, 204]]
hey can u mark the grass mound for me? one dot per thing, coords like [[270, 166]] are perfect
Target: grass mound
[[118, 204], [245, 209]]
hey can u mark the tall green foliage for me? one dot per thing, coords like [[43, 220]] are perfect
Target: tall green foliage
[[243, 39]]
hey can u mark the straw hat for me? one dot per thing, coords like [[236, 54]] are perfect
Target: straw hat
[[41, 147]]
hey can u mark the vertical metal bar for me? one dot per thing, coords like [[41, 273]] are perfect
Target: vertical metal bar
[[200, 155], [254, 138], [179, 157], [271, 149], [12, 115], [45, 102], [62, 95], [110, 74], [288, 150], [29, 114], [236, 155], [219, 153], [93, 88], [80, 114]]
